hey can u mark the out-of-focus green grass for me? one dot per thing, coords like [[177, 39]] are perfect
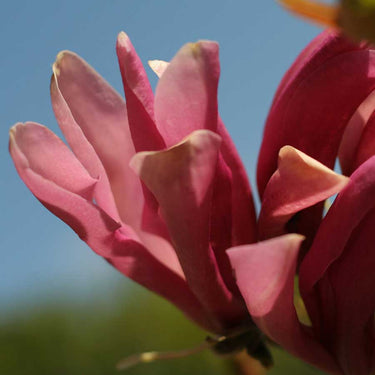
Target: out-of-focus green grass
[[63, 339]]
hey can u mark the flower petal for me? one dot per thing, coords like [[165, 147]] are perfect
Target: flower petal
[[353, 203], [181, 178], [139, 98], [298, 183], [344, 241], [43, 152], [312, 110], [349, 145], [83, 150], [352, 281], [365, 147], [60, 192], [101, 114], [186, 94], [265, 275], [243, 210]]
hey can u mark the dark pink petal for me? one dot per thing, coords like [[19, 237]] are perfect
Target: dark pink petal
[[350, 207], [233, 219], [59, 181], [186, 95], [352, 280], [265, 275], [243, 211], [139, 98], [298, 183], [325, 46], [314, 106], [181, 178], [366, 145], [344, 240], [83, 150], [101, 114], [353, 134], [140, 106]]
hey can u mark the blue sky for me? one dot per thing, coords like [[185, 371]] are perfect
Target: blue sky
[[40, 256]]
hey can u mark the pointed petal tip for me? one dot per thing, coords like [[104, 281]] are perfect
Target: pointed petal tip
[[59, 59], [197, 49], [289, 155], [123, 39], [60, 56], [195, 139], [158, 66]]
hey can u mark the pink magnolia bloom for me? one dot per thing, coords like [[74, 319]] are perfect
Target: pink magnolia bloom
[[154, 185], [323, 109]]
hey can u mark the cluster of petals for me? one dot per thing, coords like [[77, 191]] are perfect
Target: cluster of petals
[[323, 110], [154, 185]]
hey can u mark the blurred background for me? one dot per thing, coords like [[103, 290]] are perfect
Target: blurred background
[[63, 310]]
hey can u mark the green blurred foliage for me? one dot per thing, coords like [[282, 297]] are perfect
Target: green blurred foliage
[[90, 338]]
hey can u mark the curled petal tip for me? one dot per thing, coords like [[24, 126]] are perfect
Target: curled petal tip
[[59, 57], [317, 12], [12, 133], [58, 61]]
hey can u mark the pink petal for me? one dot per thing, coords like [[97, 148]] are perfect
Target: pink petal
[[325, 46], [265, 275], [353, 133], [298, 183], [60, 191], [140, 105], [83, 150], [366, 145], [353, 203], [57, 179], [186, 95], [43, 152], [314, 107], [181, 178], [101, 114], [139, 98], [352, 280], [243, 210], [344, 241], [233, 219]]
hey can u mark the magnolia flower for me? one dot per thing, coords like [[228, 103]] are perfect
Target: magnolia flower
[[322, 110], [354, 17], [153, 185]]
